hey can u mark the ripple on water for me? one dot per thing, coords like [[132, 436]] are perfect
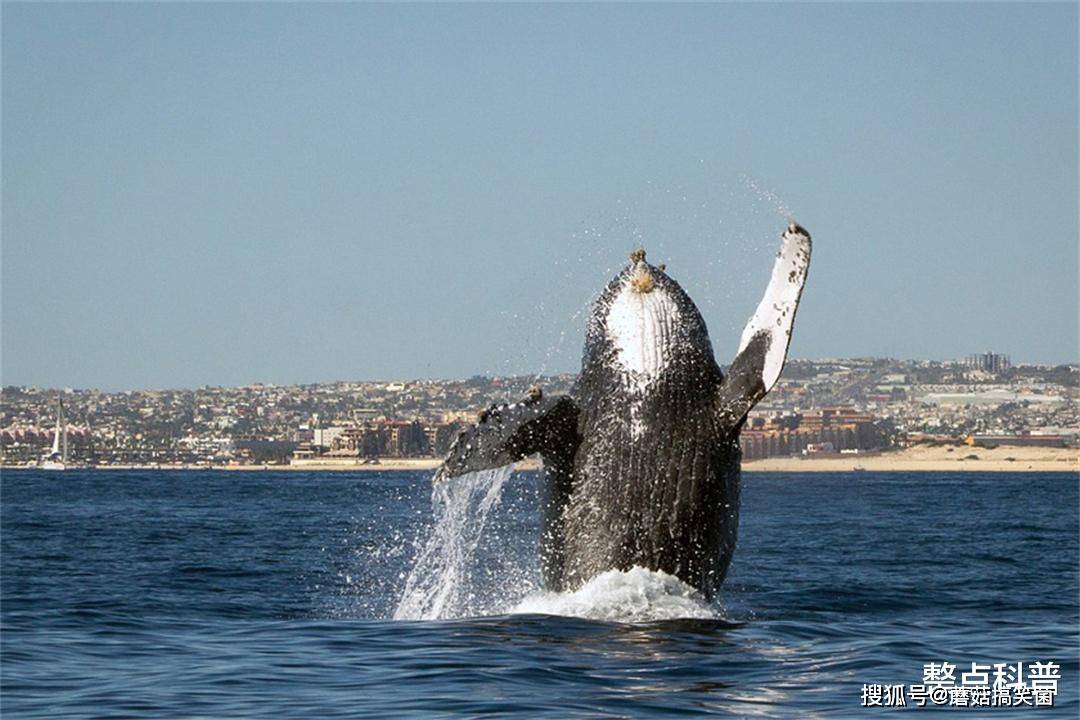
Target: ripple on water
[[271, 595]]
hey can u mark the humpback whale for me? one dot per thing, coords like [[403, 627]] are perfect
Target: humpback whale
[[642, 457]]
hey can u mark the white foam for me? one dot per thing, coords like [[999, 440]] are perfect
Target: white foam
[[635, 595]]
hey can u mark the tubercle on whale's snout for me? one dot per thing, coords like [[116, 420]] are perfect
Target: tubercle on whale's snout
[[642, 281], [641, 276]]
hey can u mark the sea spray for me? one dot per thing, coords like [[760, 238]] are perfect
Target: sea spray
[[440, 584], [464, 568]]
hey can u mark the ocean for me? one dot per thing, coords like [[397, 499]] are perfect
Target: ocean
[[273, 594]]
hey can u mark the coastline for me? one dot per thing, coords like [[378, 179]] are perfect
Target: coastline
[[932, 458], [920, 458]]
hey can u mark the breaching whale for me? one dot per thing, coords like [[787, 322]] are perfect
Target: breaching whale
[[642, 457]]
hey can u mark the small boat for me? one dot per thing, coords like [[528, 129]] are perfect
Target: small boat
[[56, 459]]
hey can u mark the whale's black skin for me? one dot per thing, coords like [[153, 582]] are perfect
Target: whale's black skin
[[642, 457]]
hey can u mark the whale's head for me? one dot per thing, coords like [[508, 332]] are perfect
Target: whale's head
[[644, 324]]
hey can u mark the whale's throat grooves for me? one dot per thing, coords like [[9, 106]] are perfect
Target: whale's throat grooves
[[642, 327]]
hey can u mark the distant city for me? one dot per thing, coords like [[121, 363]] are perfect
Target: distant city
[[819, 407]]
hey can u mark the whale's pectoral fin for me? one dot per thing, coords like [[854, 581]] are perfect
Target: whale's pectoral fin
[[507, 433], [765, 339]]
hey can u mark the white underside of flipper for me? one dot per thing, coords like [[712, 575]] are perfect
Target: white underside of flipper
[[775, 314]]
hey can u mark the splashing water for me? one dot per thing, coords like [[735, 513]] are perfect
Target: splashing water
[[439, 585], [453, 578], [635, 595]]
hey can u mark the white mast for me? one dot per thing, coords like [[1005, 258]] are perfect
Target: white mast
[[57, 457], [63, 425], [56, 433]]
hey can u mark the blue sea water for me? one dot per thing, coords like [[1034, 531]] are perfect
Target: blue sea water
[[211, 594]]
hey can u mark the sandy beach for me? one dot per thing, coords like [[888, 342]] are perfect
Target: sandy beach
[[920, 458], [932, 458]]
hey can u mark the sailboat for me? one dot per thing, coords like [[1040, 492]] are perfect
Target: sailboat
[[56, 459]]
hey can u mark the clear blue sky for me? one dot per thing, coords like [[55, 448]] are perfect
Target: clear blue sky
[[223, 194]]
